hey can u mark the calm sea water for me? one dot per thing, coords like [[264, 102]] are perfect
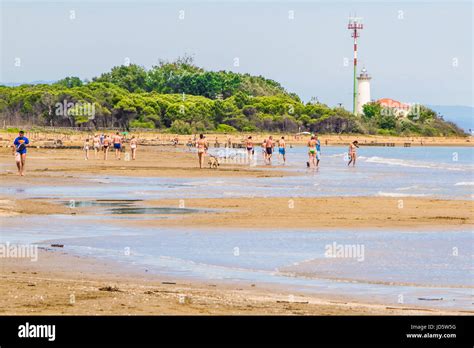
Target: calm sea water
[[444, 172], [431, 269]]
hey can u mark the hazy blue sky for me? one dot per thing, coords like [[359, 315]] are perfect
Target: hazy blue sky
[[410, 49]]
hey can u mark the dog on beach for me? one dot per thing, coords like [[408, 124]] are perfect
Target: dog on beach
[[213, 162]]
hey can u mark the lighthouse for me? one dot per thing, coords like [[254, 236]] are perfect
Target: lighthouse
[[363, 89]]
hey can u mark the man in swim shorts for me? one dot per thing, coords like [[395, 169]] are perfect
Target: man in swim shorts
[[282, 149], [117, 140], [19, 150], [318, 150], [269, 148]]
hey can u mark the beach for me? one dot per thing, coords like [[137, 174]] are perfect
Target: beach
[[65, 285], [172, 205]]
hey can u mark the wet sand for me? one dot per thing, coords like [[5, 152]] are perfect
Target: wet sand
[[151, 162], [62, 284], [332, 212]]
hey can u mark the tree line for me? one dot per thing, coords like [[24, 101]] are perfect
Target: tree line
[[182, 98]]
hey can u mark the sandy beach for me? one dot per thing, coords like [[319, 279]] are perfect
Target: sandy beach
[[60, 284], [46, 286]]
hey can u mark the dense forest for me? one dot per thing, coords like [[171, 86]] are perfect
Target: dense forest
[[180, 97]]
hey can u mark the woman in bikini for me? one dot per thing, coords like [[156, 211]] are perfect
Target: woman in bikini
[[249, 145], [106, 146], [202, 147], [312, 151], [86, 149], [353, 152]]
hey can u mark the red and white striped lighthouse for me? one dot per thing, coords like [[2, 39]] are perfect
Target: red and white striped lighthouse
[[355, 25]]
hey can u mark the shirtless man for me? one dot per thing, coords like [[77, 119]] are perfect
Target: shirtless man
[[105, 146], [96, 144], [312, 151], [19, 150], [202, 147], [269, 149], [353, 153], [133, 147], [117, 140], [318, 150], [282, 149]]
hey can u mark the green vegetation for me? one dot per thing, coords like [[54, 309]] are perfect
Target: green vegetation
[[182, 98]]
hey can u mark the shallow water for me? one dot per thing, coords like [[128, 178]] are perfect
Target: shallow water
[[442, 172], [413, 264]]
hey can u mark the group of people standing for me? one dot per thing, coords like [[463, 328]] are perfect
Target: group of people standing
[[104, 142], [314, 150], [268, 147]]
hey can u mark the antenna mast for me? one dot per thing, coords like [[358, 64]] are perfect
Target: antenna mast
[[355, 24]]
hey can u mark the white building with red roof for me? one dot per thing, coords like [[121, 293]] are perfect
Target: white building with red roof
[[394, 107]]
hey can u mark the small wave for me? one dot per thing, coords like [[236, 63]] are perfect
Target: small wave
[[337, 155], [464, 183], [306, 275], [398, 194], [415, 164], [141, 193], [415, 187]]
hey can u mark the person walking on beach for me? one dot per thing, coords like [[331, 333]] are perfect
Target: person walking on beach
[[249, 146], [312, 151], [117, 145], [264, 150], [133, 147], [353, 152], [318, 150], [282, 149], [19, 150], [96, 144], [202, 147], [269, 149], [86, 149], [105, 146]]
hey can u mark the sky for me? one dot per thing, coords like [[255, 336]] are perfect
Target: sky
[[418, 52]]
